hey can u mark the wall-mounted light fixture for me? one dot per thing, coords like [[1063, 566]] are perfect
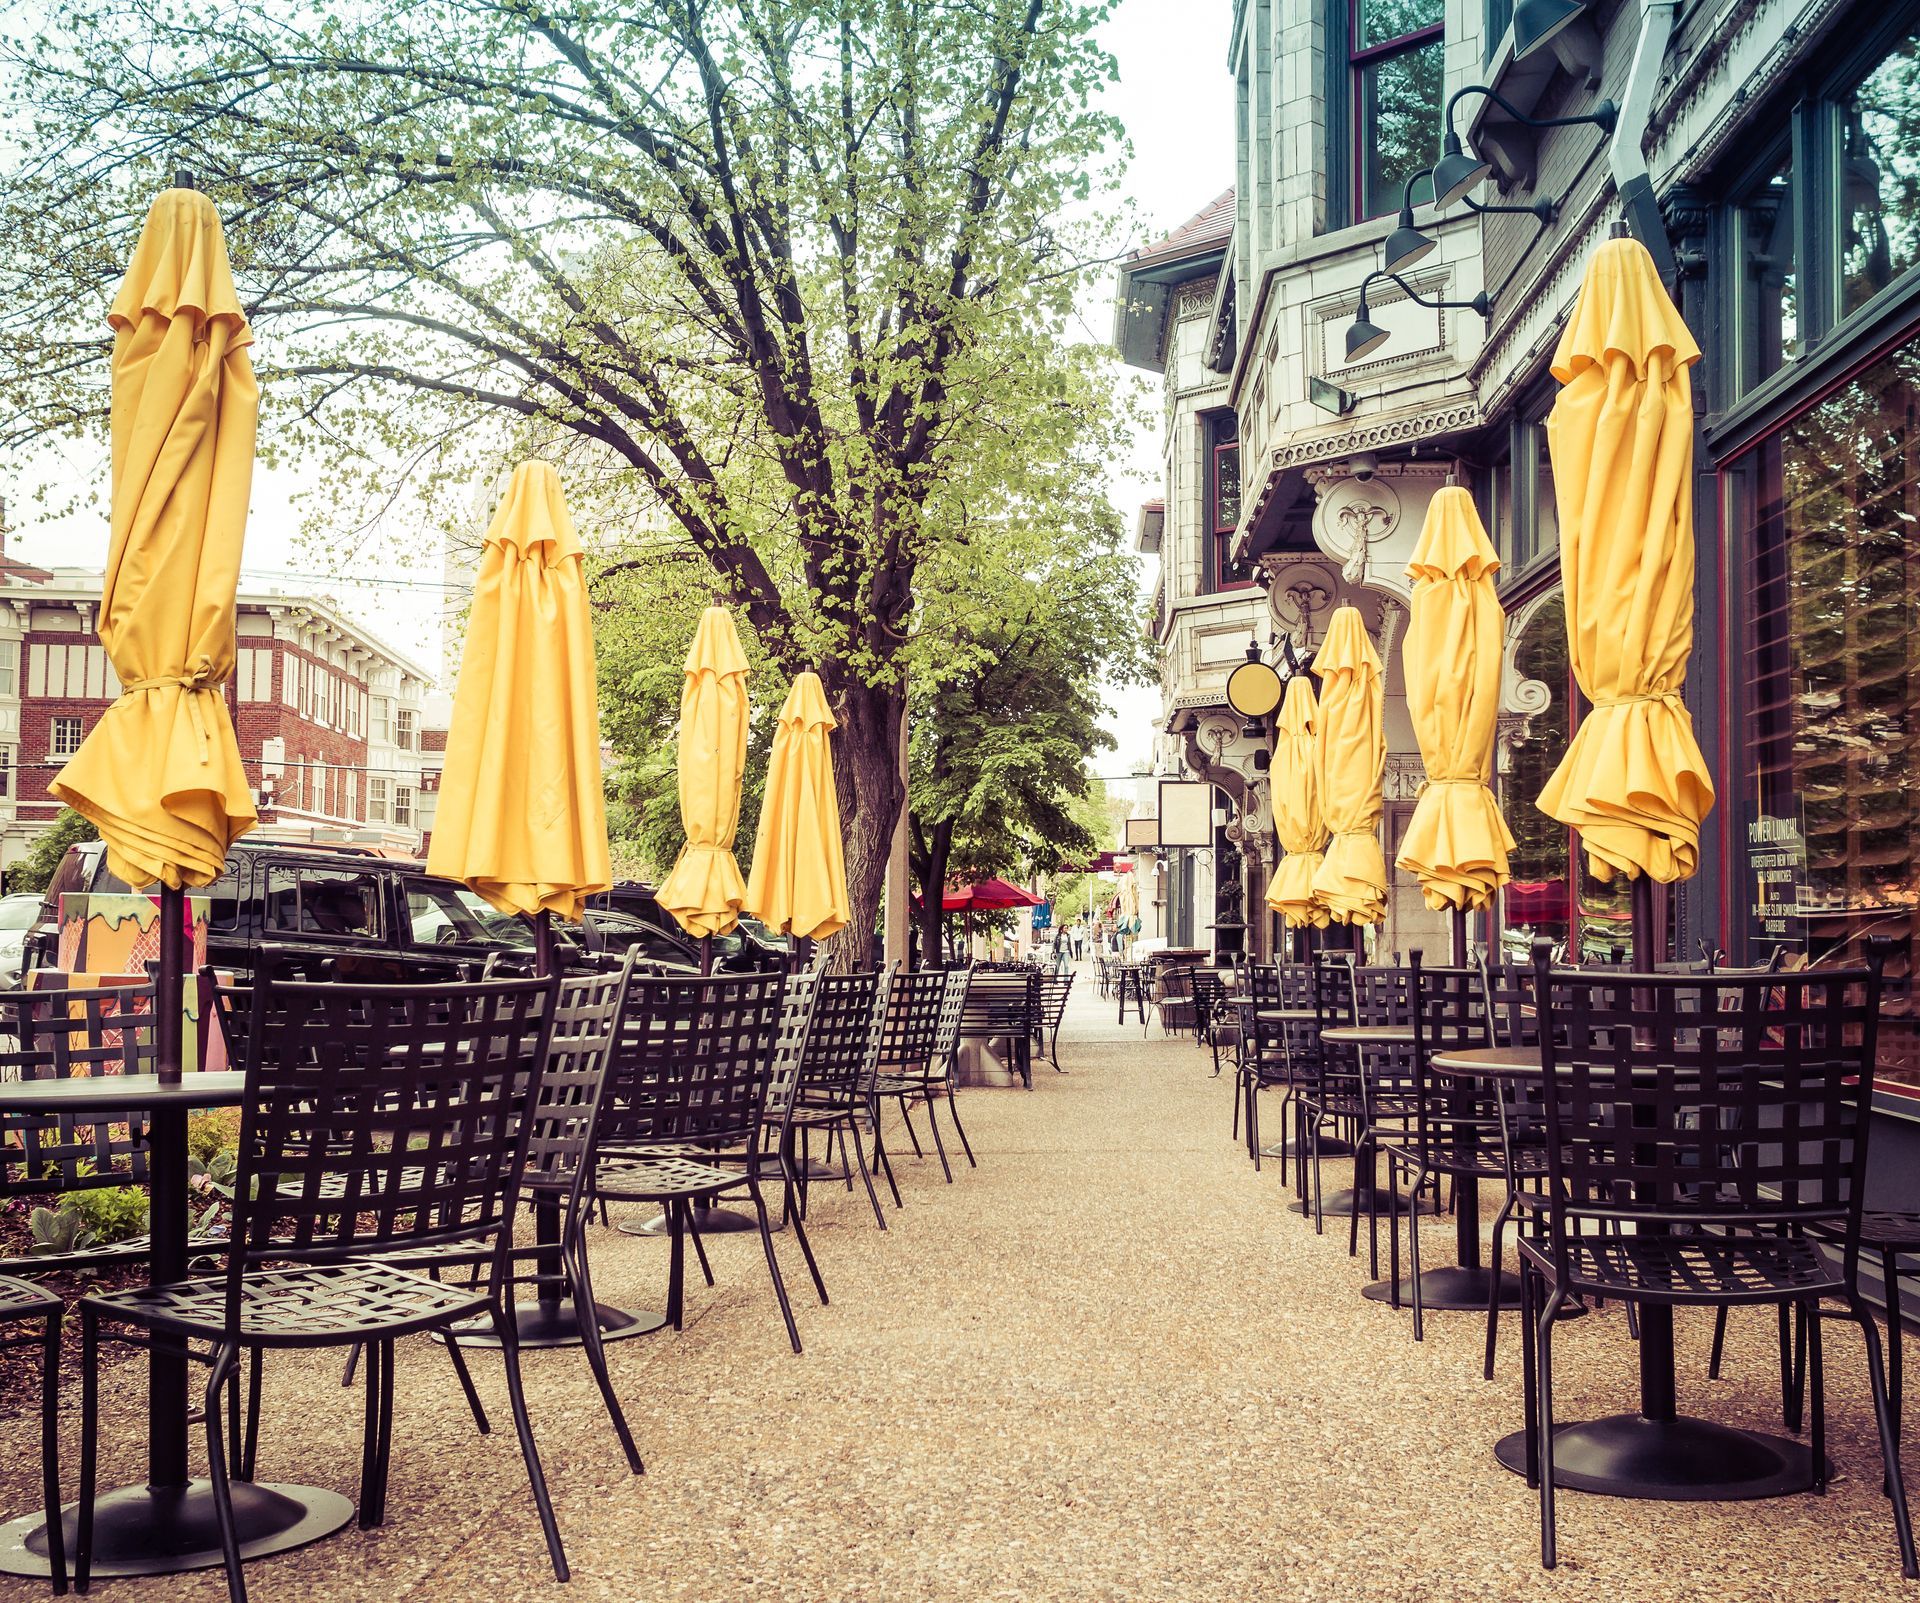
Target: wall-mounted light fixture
[[1364, 336], [1406, 245], [1458, 172], [1561, 25]]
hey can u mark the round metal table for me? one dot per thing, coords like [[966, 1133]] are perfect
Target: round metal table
[[1330, 1147], [1657, 1453], [1467, 1284], [1354, 1198], [168, 1524]]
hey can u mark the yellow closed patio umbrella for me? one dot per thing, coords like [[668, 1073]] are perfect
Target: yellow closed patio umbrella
[[160, 774], [522, 814], [704, 892], [1297, 819], [1633, 782], [1456, 841], [1351, 882], [798, 884]]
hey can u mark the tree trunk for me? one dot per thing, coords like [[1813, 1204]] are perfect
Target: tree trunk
[[933, 884], [872, 790]]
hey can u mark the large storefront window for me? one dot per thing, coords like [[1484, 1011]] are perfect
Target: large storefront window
[[1398, 60], [1825, 511], [1880, 177], [1537, 900]]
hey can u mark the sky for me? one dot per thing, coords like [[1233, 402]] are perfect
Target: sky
[[1174, 97]]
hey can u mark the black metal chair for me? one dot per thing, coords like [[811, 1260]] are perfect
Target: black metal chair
[[1457, 1130], [1000, 1006], [910, 1023], [1265, 1051], [703, 1065], [1698, 1128], [24, 1303], [1173, 996], [836, 1081], [1051, 990], [934, 1034], [378, 1121]]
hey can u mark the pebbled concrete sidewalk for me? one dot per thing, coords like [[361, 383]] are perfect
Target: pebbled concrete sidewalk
[[1106, 1365]]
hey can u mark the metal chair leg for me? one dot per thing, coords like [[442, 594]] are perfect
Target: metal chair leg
[[773, 1268], [225, 1368], [953, 1112], [939, 1145], [50, 1450], [509, 1338], [1886, 1417], [597, 1356], [89, 1446]]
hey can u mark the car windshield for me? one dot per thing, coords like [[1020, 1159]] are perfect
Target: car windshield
[[442, 911], [18, 912]]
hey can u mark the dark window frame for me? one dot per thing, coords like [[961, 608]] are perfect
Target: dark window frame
[[1216, 550], [1357, 59]]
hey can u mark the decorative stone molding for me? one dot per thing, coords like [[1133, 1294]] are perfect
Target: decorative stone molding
[[1404, 775], [1300, 590], [1340, 308], [1392, 615], [1196, 299], [1521, 699], [1449, 417]]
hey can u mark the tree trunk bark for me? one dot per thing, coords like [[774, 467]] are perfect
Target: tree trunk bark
[[933, 884], [866, 763]]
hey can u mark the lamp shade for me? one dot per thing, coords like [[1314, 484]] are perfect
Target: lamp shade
[[1457, 174], [1535, 22], [1364, 336], [1406, 245]]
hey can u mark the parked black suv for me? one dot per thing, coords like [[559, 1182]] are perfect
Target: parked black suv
[[366, 915]]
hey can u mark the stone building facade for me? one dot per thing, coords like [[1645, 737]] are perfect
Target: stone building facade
[[328, 718], [1767, 152]]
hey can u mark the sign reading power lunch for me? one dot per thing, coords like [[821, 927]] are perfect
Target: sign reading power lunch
[[1777, 859]]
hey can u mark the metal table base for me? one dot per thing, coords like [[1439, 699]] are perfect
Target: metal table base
[[1680, 1460], [142, 1530], [556, 1324], [1452, 1287]]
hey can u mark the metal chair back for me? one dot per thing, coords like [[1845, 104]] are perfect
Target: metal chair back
[[393, 1116], [913, 1017], [67, 1035], [1707, 1100]]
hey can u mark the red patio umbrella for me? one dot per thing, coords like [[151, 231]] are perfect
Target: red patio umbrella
[[987, 895]]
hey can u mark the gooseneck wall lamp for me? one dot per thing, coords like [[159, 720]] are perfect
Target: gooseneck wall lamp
[[1455, 176], [1364, 336]]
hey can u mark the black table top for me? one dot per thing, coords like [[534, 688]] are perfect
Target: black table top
[[1369, 1035], [1490, 1062], [109, 1093]]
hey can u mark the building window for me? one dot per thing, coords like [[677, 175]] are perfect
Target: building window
[[1499, 19], [1827, 812], [1770, 324], [403, 804], [1221, 434], [1880, 176], [403, 728], [1538, 900], [9, 757], [9, 667], [382, 724], [67, 735], [1396, 54], [376, 801]]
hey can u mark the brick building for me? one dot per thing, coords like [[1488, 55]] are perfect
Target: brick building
[[329, 719]]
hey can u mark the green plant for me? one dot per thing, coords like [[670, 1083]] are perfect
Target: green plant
[[58, 1230], [210, 1133], [111, 1213], [215, 1174]]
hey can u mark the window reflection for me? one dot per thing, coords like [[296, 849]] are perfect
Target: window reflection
[[1399, 64], [1880, 177], [1767, 225], [1832, 792], [1535, 902]]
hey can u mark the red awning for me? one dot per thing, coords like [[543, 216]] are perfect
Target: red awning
[[987, 895]]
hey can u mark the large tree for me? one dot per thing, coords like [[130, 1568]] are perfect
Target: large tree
[[776, 259], [1006, 718]]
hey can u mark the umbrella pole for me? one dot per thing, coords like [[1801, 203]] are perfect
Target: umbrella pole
[[170, 985], [1459, 937], [1640, 888], [545, 960], [706, 955]]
